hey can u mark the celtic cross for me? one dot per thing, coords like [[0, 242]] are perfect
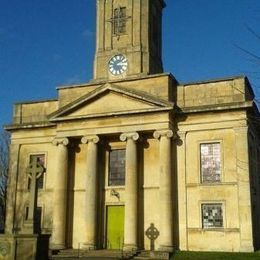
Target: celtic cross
[[34, 171], [152, 233]]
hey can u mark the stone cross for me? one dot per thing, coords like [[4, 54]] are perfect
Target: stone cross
[[152, 233], [34, 171]]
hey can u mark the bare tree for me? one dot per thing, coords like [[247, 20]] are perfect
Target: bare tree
[[254, 58], [4, 163]]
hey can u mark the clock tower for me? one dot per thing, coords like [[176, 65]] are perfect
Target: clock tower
[[129, 38]]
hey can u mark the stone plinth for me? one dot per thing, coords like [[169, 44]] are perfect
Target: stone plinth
[[24, 247]]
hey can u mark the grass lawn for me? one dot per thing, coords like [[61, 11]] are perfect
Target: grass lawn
[[215, 256]]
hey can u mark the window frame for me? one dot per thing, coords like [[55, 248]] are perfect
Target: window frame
[[123, 21], [221, 175], [108, 171], [223, 206]]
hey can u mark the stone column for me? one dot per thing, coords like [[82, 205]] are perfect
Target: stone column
[[182, 198], [60, 194], [165, 193], [90, 211], [131, 191]]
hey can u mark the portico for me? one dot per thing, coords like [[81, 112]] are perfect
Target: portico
[[97, 194]]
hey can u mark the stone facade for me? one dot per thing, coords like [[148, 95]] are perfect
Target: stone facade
[[191, 157]]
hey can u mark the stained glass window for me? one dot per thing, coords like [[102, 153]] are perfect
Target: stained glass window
[[210, 162], [212, 215], [116, 168], [41, 160]]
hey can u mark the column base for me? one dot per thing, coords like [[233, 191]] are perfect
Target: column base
[[168, 249], [130, 247]]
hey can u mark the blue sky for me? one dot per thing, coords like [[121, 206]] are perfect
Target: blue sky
[[48, 43]]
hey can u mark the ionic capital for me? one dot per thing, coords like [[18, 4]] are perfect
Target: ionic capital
[[125, 136], [60, 141], [90, 138], [163, 133]]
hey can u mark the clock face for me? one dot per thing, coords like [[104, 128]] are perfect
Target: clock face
[[117, 64]]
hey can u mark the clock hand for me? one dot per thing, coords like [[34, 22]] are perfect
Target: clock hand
[[121, 64]]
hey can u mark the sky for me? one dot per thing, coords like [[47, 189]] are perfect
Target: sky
[[48, 43]]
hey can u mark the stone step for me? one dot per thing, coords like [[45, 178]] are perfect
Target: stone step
[[144, 254], [153, 255], [93, 254], [70, 254], [67, 257]]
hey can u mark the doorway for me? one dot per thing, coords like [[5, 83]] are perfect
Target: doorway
[[115, 227]]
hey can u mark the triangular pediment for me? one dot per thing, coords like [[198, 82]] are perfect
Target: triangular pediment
[[110, 100]]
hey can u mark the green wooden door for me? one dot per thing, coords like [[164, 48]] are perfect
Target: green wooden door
[[115, 227]]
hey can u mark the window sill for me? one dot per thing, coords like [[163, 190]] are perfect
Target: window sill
[[222, 230], [211, 184], [114, 187]]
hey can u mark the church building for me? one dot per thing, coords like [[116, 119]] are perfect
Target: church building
[[133, 152]]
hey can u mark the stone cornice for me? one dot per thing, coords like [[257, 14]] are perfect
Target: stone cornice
[[120, 113], [157, 103], [99, 82], [216, 107], [28, 126]]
